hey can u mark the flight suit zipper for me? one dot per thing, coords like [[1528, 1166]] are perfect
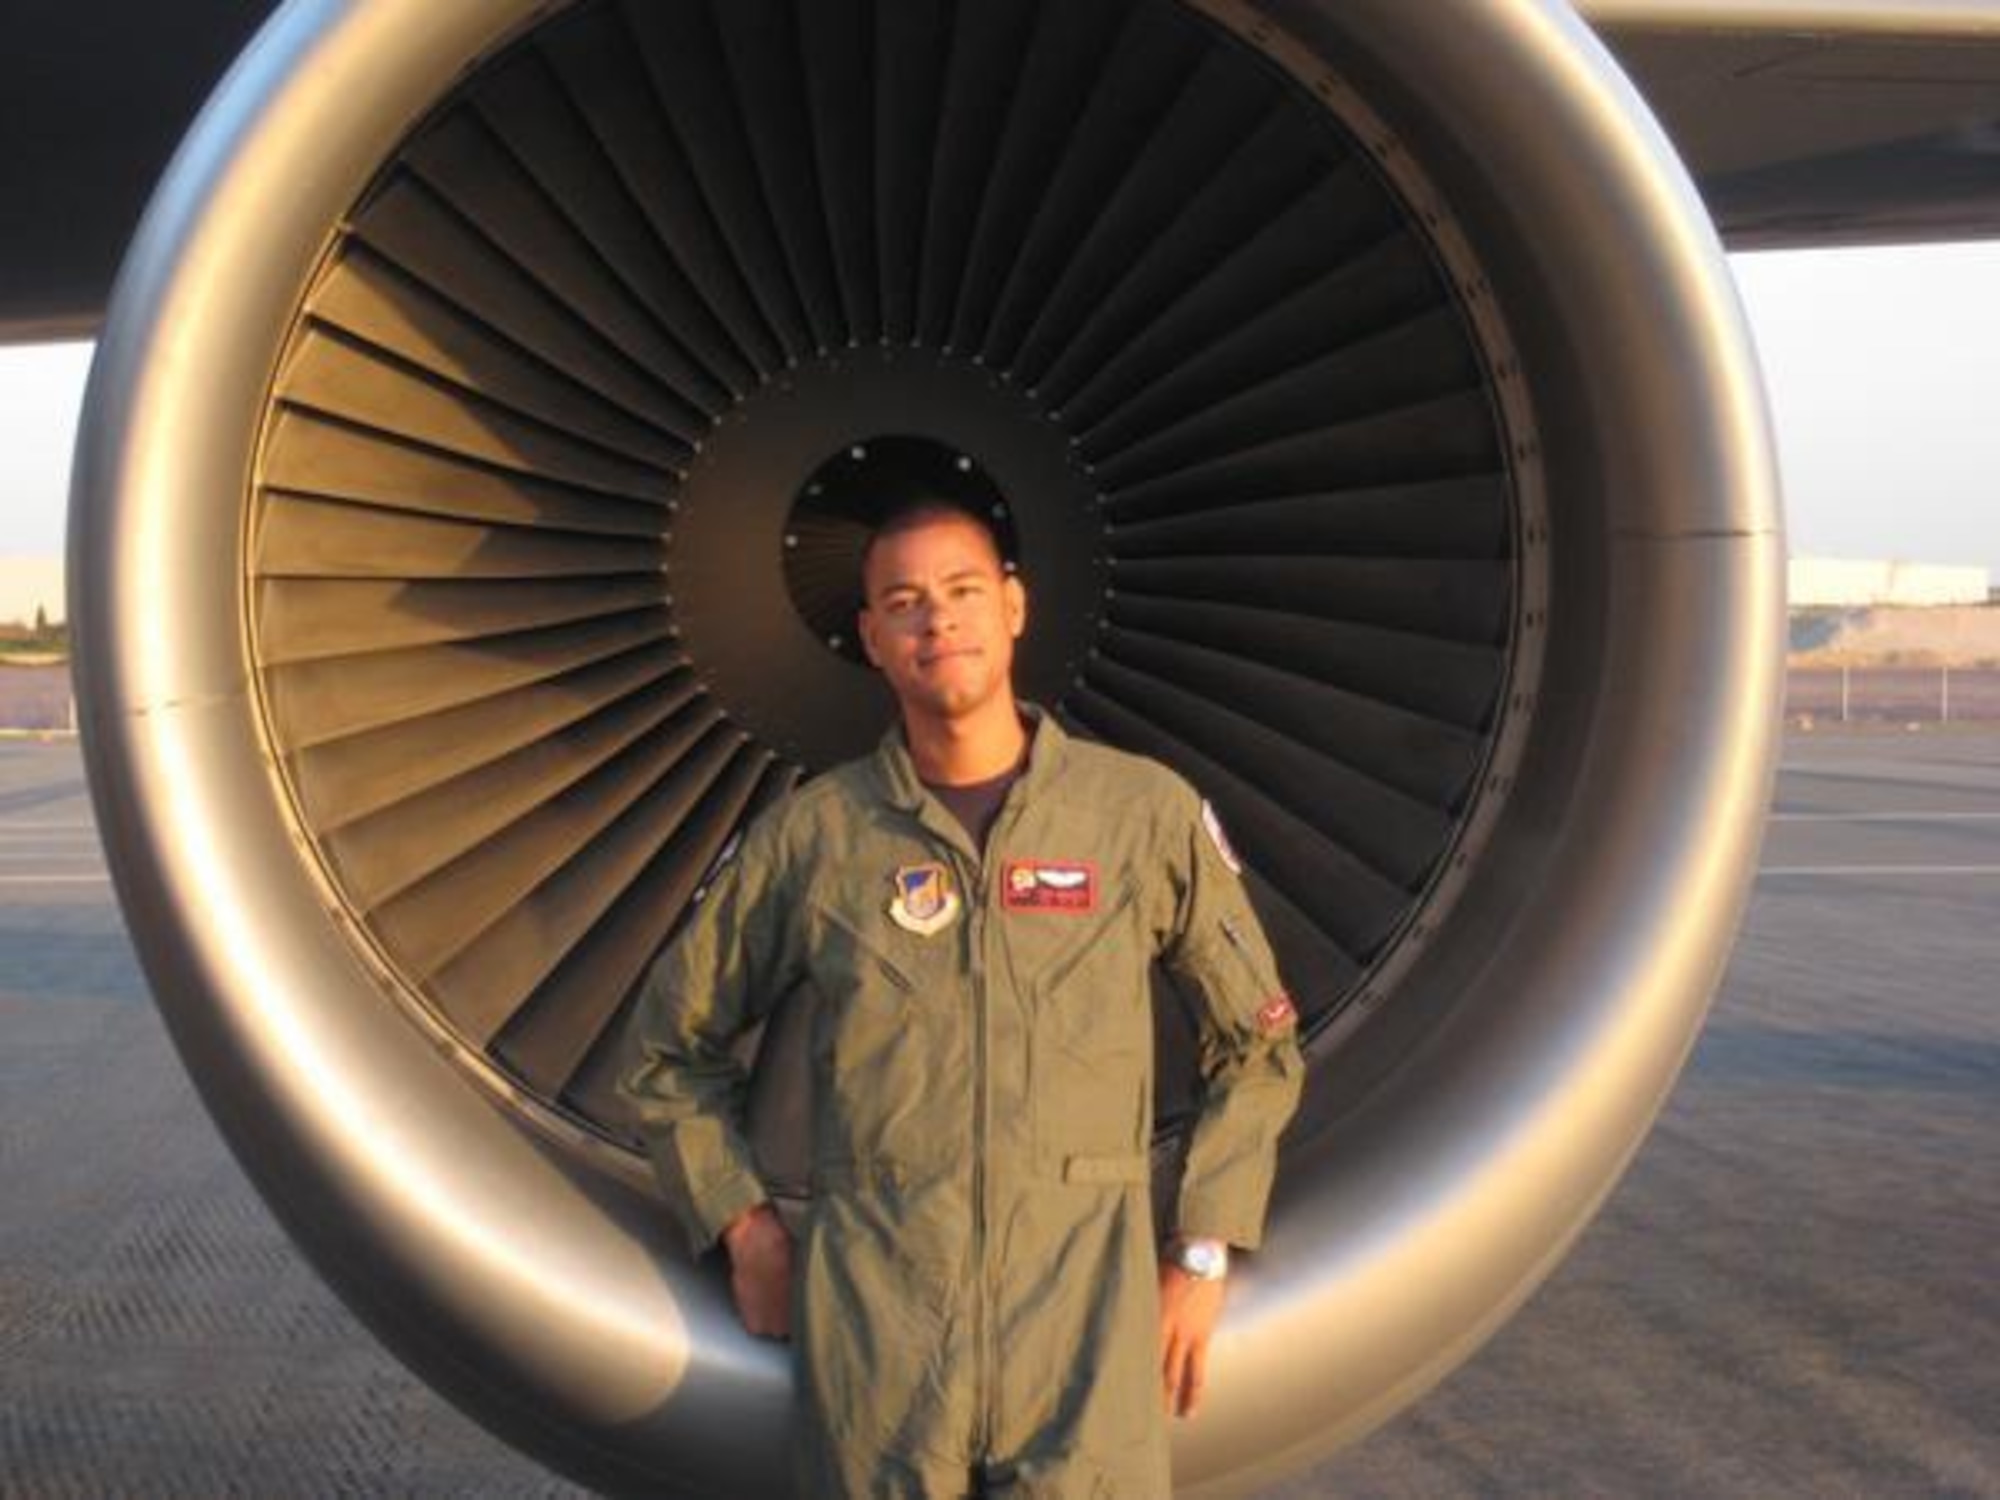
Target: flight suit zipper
[[982, 1381], [971, 880], [971, 864], [979, 905]]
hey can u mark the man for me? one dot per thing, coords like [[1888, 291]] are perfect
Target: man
[[978, 1299]]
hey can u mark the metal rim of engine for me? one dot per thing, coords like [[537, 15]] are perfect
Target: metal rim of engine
[[1483, 1137]]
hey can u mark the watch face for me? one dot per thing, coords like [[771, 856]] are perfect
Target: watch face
[[1204, 1260]]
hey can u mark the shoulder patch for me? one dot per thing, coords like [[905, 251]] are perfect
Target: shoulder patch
[[1213, 827], [717, 865], [925, 902], [726, 853], [720, 863]]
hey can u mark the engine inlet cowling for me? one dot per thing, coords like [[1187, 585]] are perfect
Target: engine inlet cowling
[[1359, 393]]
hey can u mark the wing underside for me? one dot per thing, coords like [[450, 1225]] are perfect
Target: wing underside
[[1824, 122], [1806, 122]]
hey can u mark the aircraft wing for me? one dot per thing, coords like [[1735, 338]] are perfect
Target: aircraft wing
[[94, 96], [1825, 122], [1807, 122]]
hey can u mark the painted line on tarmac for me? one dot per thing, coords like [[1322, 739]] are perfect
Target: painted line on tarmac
[[1886, 817], [1889, 772], [1872, 871]]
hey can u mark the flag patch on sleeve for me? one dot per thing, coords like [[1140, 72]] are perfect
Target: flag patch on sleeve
[[1276, 1014], [1053, 885]]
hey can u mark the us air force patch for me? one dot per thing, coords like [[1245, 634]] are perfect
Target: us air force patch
[[1217, 837], [1059, 885], [925, 902]]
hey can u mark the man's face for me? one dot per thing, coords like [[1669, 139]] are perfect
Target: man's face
[[941, 616]]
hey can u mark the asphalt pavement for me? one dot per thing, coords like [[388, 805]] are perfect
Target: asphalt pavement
[[1794, 1292]]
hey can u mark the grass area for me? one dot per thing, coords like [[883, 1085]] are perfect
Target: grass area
[[40, 643]]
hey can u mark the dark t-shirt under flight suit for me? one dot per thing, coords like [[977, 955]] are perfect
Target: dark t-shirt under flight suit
[[977, 1279]]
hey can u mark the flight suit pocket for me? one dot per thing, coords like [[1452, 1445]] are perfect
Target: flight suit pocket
[[874, 1311], [881, 1046], [1128, 1170], [853, 958], [1092, 1048]]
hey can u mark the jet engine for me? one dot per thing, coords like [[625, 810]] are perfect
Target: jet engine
[[456, 568]]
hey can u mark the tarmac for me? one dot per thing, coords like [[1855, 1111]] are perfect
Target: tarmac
[[1794, 1292]]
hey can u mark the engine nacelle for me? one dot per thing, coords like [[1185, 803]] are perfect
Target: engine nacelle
[[1376, 430]]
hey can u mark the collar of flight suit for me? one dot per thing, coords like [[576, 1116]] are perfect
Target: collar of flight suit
[[896, 775]]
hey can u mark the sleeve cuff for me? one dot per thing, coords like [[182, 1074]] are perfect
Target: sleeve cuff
[[717, 1205], [1207, 1219]]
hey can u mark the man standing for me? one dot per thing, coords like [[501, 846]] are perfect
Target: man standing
[[978, 1299]]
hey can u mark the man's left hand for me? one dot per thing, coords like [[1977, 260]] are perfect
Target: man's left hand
[[1189, 1311]]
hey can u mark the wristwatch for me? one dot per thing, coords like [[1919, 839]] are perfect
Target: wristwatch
[[1204, 1260]]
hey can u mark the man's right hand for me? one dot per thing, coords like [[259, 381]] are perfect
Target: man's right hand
[[760, 1271]]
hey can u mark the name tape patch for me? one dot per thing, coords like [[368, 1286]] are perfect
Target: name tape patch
[[1051, 885]]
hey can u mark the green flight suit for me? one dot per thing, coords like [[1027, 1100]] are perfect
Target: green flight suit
[[977, 1281]]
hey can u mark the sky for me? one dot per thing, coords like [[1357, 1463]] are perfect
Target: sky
[[1882, 366]]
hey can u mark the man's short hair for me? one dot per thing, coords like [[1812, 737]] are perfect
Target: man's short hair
[[912, 512], [891, 484]]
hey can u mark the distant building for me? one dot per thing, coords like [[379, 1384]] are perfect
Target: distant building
[[28, 584], [1827, 582]]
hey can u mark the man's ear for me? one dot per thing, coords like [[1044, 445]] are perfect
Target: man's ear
[[864, 626], [1014, 604]]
